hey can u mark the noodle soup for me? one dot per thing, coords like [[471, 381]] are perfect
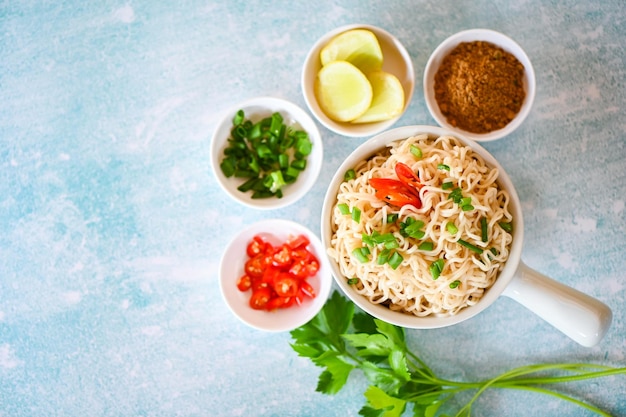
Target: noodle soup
[[422, 226]]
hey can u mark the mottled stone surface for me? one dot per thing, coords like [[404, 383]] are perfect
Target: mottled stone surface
[[112, 224]]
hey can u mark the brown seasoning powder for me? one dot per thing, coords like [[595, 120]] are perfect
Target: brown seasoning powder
[[479, 87]]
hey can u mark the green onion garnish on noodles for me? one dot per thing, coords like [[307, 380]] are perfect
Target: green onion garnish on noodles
[[416, 151], [483, 229], [451, 227], [383, 256], [436, 268], [356, 214], [343, 208], [427, 246], [361, 254], [349, 175], [395, 260], [507, 227], [469, 246]]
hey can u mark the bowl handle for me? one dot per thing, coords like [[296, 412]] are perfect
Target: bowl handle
[[579, 316]]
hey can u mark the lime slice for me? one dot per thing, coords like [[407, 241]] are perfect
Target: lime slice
[[359, 47], [387, 98], [343, 91]]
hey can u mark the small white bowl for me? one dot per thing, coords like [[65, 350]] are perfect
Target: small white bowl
[[256, 109], [497, 39], [396, 60], [232, 264]]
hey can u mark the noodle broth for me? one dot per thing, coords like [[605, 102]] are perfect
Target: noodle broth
[[449, 251]]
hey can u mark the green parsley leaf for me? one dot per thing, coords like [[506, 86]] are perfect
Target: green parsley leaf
[[379, 400]]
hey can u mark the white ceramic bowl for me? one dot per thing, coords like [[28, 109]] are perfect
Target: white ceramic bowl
[[578, 315], [495, 38], [232, 264], [396, 60], [256, 109]]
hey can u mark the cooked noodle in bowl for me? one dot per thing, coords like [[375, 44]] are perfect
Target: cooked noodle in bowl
[[424, 229], [445, 169], [478, 217]]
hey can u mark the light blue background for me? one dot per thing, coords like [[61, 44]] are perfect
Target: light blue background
[[112, 224]]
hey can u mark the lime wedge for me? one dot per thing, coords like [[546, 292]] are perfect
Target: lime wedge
[[343, 91], [387, 98], [359, 47]]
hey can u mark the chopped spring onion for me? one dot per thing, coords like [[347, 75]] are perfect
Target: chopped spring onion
[[267, 150], [411, 228], [238, 118], [484, 235], [447, 185], [367, 239], [349, 175], [452, 229], [467, 207], [507, 227], [391, 244], [383, 256], [353, 281], [436, 268], [469, 246], [395, 260], [443, 166], [343, 208], [455, 284], [456, 195], [391, 218], [416, 151], [299, 164], [356, 214], [383, 238], [428, 246], [361, 254]]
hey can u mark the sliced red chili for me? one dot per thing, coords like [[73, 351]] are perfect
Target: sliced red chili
[[282, 257], [280, 302], [307, 289], [254, 267], [244, 283], [395, 192], [286, 286], [260, 298], [407, 176], [298, 242], [256, 246]]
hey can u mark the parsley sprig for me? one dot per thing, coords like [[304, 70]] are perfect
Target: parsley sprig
[[340, 340]]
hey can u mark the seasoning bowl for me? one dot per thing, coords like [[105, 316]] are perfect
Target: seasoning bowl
[[255, 110], [497, 39], [275, 231], [578, 315], [396, 60]]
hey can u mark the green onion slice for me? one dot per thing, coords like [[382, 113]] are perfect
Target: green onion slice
[[484, 235], [356, 214], [469, 246], [395, 260], [343, 208], [416, 151], [427, 246]]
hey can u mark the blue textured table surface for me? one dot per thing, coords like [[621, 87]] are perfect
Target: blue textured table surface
[[112, 225]]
